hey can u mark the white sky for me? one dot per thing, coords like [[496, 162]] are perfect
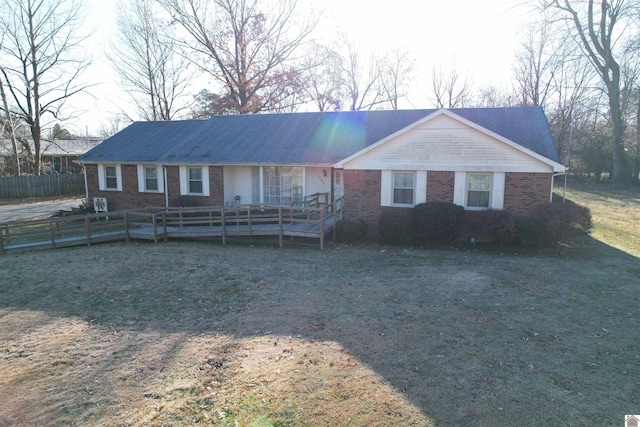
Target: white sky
[[480, 36]]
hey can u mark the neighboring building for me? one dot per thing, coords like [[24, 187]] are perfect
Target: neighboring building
[[58, 156], [499, 158]]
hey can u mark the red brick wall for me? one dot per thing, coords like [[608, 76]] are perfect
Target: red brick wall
[[130, 198], [440, 186], [362, 198], [524, 191]]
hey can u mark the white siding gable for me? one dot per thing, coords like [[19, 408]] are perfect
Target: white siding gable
[[444, 143]]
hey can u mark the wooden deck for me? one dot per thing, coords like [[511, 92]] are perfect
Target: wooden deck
[[310, 220]]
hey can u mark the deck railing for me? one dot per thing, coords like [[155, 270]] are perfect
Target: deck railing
[[64, 231], [312, 218]]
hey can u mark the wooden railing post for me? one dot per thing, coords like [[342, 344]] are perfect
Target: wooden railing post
[[4, 227], [53, 234], [87, 229], [224, 226], [163, 215], [321, 229], [126, 227], [281, 233], [154, 223]]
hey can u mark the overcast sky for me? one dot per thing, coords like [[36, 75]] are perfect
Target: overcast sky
[[480, 36]]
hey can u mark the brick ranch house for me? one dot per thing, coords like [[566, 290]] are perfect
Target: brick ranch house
[[479, 158]]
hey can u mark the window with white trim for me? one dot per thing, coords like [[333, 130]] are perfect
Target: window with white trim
[[194, 180], [479, 190], [194, 177], [150, 178], [109, 177], [403, 188]]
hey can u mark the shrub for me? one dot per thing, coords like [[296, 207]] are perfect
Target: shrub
[[528, 233], [554, 222], [351, 231], [396, 228], [499, 225], [438, 221], [559, 220]]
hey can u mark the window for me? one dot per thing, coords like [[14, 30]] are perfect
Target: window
[[280, 184], [111, 177], [403, 188], [195, 180], [150, 178], [479, 190]]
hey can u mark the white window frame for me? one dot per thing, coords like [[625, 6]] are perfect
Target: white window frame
[[394, 175], [102, 177], [496, 192], [142, 179], [387, 182], [184, 180]]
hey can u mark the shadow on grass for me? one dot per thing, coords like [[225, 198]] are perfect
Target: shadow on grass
[[471, 336]]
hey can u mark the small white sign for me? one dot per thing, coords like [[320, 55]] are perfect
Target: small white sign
[[100, 204]]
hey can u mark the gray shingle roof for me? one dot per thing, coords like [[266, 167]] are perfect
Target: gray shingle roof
[[299, 138]]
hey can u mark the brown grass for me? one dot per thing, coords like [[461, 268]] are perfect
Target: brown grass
[[185, 333]]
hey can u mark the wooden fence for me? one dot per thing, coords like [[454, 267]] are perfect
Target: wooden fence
[[16, 187]]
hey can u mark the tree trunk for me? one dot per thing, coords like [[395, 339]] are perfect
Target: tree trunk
[[620, 167], [12, 133]]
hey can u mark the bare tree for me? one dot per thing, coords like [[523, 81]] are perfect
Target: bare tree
[[360, 78], [493, 97], [251, 46], [536, 64], [450, 89], [40, 59], [146, 60], [321, 78], [9, 127], [395, 75], [597, 30]]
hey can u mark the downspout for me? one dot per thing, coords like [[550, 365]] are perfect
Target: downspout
[[564, 190], [166, 187], [86, 183]]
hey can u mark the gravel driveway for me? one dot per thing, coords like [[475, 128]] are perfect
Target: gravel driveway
[[37, 209]]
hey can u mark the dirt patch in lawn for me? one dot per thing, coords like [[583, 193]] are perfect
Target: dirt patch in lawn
[[184, 333]]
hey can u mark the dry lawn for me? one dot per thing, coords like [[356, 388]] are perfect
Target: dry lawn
[[186, 333]]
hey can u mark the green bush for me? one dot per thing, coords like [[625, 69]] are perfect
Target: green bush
[[438, 221], [351, 231], [499, 225], [396, 228]]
